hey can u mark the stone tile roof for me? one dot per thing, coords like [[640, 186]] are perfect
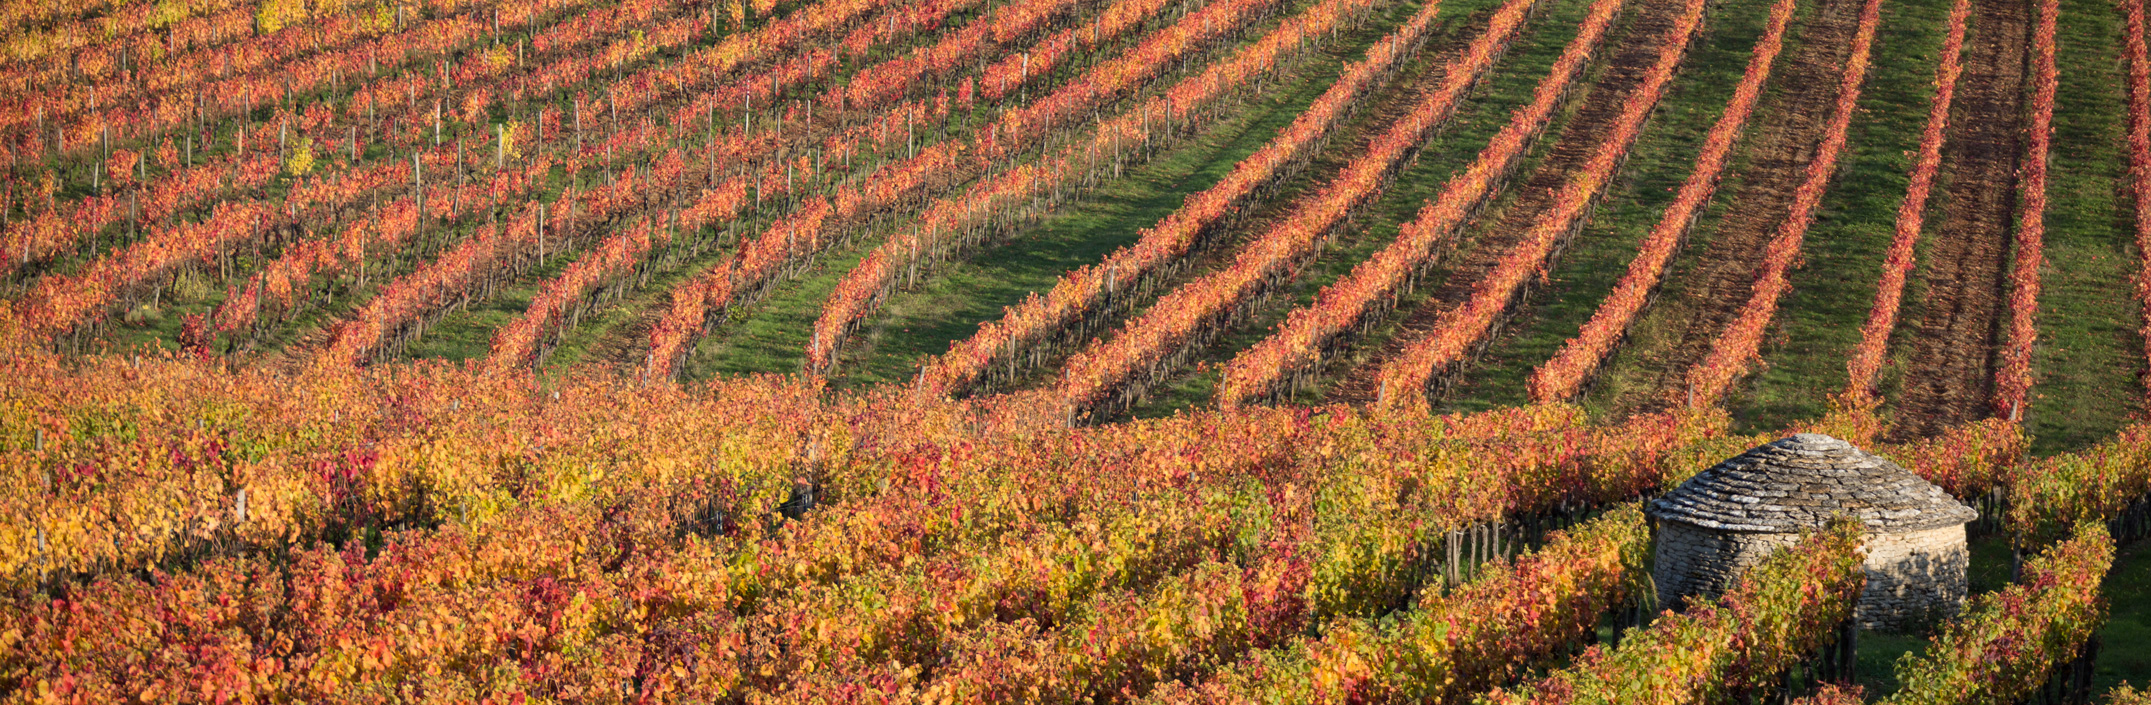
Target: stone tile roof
[[1799, 482]]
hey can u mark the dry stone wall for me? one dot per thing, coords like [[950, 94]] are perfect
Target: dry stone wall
[[1913, 578], [1696, 561]]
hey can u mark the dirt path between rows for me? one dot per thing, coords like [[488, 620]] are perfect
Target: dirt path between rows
[[1964, 268], [1640, 44], [1780, 143], [628, 344], [1380, 109]]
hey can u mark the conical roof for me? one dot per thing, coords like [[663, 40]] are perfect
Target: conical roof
[[1799, 482]]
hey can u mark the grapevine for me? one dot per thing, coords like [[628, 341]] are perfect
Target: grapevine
[[1084, 294], [1562, 377], [2013, 381], [914, 251], [1298, 345], [1780, 610], [1108, 375], [1742, 340]]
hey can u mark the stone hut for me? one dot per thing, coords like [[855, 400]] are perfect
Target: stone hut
[[1732, 515]]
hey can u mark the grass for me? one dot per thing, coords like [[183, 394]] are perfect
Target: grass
[[145, 325], [1662, 158], [949, 306], [466, 334], [2087, 364], [771, 335], [1508, 87], [1632, 376], [2086, 368], [2125, 641], [1878, 653], [463, 334], [1818, 322]]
